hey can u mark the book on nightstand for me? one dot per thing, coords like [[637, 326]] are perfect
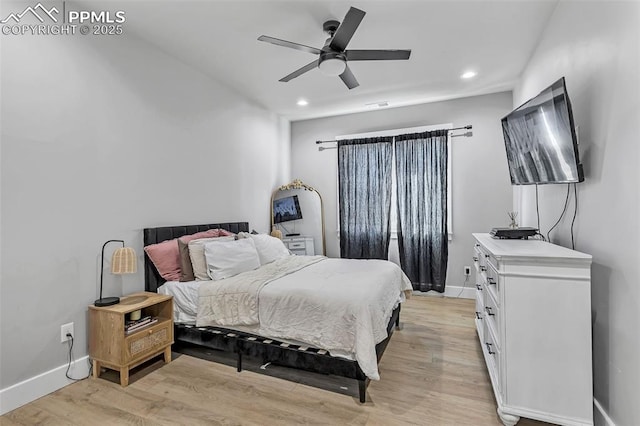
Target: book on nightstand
[[136, 325], [132, 323]]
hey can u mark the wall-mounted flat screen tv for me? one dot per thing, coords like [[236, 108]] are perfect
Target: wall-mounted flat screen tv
[[540, 139], [286, 209]]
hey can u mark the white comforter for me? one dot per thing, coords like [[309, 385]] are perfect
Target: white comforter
[[234, 300], [340, 305]]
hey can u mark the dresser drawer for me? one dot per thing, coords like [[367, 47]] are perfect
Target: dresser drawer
[[480, 297], [297, 245], [492, 315], [493, 358], [480, 314], [493, 282], [479, 258], [149, 340], [476, 256]]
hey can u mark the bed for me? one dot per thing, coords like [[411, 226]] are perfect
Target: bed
[[290, 325]]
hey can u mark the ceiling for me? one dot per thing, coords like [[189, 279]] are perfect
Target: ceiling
[[447, 38]]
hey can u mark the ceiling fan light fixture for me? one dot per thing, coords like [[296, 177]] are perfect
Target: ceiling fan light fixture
[[332, 64], [333, 67]]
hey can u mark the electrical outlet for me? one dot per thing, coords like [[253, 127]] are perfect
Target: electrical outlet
[[467, 270], [64, 329]]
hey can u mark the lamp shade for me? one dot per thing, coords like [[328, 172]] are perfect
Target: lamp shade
[[124, 261]]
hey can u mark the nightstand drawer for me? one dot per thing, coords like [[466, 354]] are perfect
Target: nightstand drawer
[[148, 340], [300, 245]]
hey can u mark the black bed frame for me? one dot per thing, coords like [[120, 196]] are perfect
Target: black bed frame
[[245, 344]]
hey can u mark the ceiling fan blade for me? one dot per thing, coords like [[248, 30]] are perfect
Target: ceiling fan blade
[[349, 79], [290, 44], [377, 55], [299, 72], [346, 29]]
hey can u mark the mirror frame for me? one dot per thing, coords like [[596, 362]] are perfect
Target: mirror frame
[[298, 184]]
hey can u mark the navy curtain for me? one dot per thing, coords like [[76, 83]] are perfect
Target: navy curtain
[[364, 179], [421, 177]]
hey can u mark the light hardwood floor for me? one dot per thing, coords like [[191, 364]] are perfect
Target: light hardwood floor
[[432, 373]]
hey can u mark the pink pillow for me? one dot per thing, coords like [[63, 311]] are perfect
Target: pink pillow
[[225, 233], [211, 233], [166, 255], [166, 259]]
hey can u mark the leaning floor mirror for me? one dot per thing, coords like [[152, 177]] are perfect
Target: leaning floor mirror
[[297, 216]]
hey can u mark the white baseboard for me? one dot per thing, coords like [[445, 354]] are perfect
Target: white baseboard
[[600, 416], [43, 384], [466, 292]]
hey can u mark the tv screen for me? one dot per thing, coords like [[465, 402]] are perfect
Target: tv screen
[[540, 139], [286, 209]]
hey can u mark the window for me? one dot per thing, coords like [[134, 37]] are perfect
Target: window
[[395, 132]]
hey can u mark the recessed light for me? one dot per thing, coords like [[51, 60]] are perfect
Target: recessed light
[[303, 102], [469, 74]]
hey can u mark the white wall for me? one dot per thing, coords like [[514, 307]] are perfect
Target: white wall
[[480, 179], [102, 137], [595, 45]]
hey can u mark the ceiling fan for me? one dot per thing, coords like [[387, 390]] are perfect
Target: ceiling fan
[[333, 57]]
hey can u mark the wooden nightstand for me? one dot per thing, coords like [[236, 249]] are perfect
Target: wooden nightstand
[[111, 347]]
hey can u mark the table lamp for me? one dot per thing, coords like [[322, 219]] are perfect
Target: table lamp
[[123, 261]]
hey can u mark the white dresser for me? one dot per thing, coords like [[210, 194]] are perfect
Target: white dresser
[[533, 317], [300, 245]]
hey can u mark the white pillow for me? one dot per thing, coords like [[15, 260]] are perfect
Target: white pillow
[[269, 248], [196, 253], [228, 258]]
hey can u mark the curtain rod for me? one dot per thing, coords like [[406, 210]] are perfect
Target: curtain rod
[[467, 127]]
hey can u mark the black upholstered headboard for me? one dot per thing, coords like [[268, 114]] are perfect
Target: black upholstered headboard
[[153, 280]]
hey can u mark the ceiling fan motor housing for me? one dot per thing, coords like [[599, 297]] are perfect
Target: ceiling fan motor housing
[[330, 27]]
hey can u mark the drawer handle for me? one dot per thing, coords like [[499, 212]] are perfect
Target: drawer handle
[[477, 245], [475, 259], [491, 281], [478, 315], [479, 287], [489, 348], [487, 256], [489, 311], [483, 268]]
